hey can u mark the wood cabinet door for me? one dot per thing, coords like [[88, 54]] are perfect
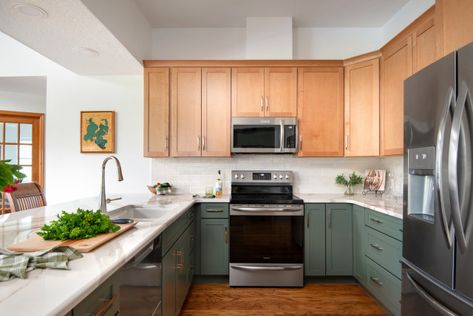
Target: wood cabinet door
[[362, 108], [156, 131], [314, 240], [280, 92], [247, 92], [186, 112], [455, 18], [320, 111], [424, 44], [396, 66], [216, 108], [339, 240]]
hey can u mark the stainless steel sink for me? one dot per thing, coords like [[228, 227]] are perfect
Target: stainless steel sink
[[138, 213]]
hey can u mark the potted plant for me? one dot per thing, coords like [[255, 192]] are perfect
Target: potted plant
[[352, 180], [9, 174]]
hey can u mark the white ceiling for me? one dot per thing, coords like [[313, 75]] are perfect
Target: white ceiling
[[62, 34], [233, 13]]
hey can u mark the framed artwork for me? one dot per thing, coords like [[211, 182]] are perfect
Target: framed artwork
[[97, 131], [375, 181]]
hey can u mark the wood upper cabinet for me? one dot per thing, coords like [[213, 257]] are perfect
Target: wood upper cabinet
[[268, 91], [362, 108], [455, 20], [280, 91], [186, 111], [424, 42], [216, 90], [247, 92], [320, 111], [396, 66], [156, 133]]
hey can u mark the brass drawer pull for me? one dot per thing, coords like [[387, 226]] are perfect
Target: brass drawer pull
[[226, 235], [105, 306], [214, 210], [375, 246], [377, 221], [376, 281]]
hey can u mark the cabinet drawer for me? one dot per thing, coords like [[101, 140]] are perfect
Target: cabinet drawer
[[386, 224], [172, 233], [385, 251], [384, 286], [102, 301], [214, 210]]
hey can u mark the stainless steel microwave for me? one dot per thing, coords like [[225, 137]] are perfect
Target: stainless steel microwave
[[264, 135]]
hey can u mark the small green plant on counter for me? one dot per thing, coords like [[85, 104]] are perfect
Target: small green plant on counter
[[9, 174], [352, 180]]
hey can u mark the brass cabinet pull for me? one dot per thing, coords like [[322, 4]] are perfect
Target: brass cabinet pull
[[203, 143], [105, 306], [198, 143], [378, 221], [167, 142], [180, 256], [261, 104], [375, 246], [267, 103], [226, 235], [376, 281], [300, 142], [308, 219], [347, 139], [214, 210]]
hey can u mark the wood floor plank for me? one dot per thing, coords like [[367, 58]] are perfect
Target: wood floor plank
[[313, 299]]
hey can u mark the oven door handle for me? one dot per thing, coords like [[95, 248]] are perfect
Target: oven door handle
[[262, 209], [272, 268]]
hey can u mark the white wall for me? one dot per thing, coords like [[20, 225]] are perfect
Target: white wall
[[269, 38], [312, 175], [22, 102], [335, 43], [70, 174], [198, 43], [405, 16]]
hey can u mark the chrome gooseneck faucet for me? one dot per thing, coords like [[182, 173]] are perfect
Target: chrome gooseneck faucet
[[103, 198]]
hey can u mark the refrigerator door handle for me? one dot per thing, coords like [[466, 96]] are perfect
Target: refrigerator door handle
[[426, 296], [442, 182], [458, 126]]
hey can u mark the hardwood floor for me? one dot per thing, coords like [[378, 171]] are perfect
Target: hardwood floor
[[313, 299]]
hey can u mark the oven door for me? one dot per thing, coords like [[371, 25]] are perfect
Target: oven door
[[267, 235]]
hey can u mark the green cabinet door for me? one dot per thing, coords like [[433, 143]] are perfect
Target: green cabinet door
[[359, 242], [339, 239], [214, 246], [314, 240], [169, 283]]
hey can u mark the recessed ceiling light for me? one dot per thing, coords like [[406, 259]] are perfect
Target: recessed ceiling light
[[31, 10], [87, 51]]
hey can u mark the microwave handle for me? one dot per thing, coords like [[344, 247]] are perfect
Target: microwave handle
[[281, 141]]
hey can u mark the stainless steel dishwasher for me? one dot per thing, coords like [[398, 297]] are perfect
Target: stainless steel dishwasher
[[140, 282]]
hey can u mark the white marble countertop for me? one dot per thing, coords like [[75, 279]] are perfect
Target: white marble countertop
[[383, 204], [55, 292]]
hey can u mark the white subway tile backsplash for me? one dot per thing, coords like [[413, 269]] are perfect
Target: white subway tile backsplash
[[311, 175]]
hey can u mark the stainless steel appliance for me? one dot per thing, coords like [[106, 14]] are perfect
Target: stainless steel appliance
[[266, 230], [438, 217], [264, 135], [140, 282]]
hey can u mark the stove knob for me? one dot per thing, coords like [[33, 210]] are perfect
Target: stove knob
[[236, 176], [242, 176], [287, 177], [275, 177], [280, 176]]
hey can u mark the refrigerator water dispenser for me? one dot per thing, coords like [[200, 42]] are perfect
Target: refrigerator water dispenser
[[421, 183]]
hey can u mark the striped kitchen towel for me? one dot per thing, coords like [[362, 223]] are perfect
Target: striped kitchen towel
[[16, 265]]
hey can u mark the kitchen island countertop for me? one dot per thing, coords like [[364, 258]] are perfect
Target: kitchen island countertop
[[56, 292]]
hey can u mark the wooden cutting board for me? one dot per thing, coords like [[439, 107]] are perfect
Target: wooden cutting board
[[37, 243]]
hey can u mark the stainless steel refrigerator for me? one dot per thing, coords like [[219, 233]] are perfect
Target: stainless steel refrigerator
[[437, 276]]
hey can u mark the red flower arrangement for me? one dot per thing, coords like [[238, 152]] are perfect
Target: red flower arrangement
[[9, 189]]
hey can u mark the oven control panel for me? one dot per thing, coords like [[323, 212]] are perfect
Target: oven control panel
[[260, 176]]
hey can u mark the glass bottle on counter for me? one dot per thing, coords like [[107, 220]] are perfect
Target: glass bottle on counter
[[218, 185]]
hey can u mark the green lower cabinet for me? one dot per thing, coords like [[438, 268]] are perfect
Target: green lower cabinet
[[169, 283], [103, 301], [359, 242], [384, 286], [314, 240], [214, 238], [339, 240]]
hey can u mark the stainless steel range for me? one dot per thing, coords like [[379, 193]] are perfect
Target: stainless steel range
[[266, 230]]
